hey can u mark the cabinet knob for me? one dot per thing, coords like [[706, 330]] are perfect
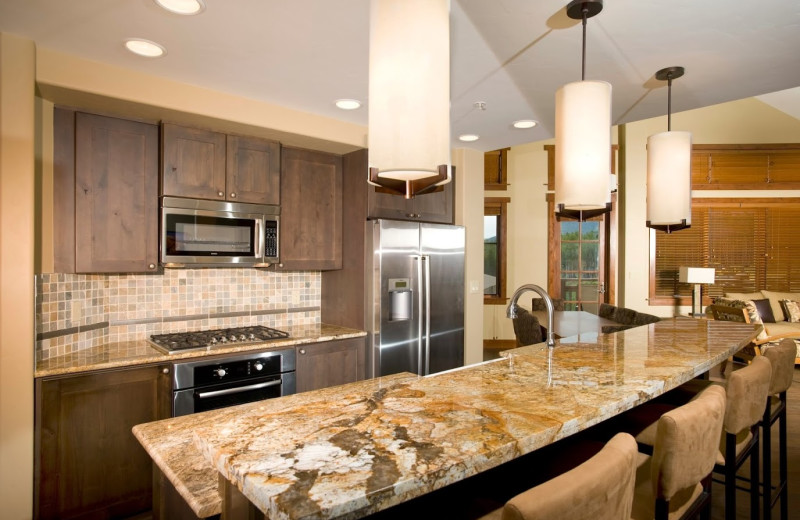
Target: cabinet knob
[[174, 168], [302, 351], [220, 194], [165, 370], [151, 266], [233, 195]]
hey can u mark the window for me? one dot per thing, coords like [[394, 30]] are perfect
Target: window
[[580, 264], [494, 250], [751, 244]]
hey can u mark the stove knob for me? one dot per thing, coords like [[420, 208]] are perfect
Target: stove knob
[[242, 337], [213, 340], [233, 337], [258, 365], [223, 339], [252, 336], [221, 372]]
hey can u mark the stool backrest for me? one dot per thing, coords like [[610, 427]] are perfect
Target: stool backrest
[[782, 358], [687, 442], [747, 389]]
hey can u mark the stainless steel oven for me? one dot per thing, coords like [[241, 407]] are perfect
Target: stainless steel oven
[[211, 383], [210, 233]]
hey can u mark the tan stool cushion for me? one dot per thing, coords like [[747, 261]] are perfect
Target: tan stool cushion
[[782, 358], [747, 390], [599, 489]]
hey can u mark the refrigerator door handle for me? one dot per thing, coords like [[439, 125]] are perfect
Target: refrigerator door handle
[[426, 260], [420, 296]]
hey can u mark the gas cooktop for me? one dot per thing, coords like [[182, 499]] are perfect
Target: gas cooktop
[[205, 339]]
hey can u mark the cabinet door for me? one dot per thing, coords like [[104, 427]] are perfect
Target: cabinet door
[[253, 170], [116, 195], [436, 206], [332, 363], [311, 210], [193, 163], [89, 464]]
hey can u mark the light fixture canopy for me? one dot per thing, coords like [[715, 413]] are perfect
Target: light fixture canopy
[[583, 137], [669, 170], [409, 95]]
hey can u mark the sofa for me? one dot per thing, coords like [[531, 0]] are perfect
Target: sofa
[[775, 310]]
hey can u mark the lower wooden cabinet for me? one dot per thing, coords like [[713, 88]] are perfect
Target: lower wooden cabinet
[[88, 463], [320, 365]]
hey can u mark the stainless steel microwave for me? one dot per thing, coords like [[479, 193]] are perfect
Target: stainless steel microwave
[[210, 233]]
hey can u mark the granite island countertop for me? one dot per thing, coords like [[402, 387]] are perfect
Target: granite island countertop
[[356, 449], [141, 352]]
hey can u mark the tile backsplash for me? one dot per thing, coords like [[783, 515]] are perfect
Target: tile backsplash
[[75, 312]]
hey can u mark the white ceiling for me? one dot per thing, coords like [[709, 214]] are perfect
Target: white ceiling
[[510, 54]]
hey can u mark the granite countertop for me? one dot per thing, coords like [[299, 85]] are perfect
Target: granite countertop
[[357, 449], [131, 353]]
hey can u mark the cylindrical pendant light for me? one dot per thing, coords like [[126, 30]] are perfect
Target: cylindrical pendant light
[[409, 94], [669, 171], [583, 137]]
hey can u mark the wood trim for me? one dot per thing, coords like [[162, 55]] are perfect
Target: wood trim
[[494, 300], [759, 146], [495, 187], [499, 344], [64, 190], [502, 248], [754, 202]]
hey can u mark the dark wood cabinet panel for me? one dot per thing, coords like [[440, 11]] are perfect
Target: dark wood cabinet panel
[[435, 206], [311, 210], [88, 463], [253, 170], [193, 162], [116, 195], [321, 365]]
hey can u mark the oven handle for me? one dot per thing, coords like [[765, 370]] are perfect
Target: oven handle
[[228, 391]]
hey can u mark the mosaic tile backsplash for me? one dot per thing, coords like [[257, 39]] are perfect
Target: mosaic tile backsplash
[[75, 312]]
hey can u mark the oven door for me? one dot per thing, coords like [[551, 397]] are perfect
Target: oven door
[[212, 397]]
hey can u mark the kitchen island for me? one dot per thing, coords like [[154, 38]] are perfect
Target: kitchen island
[[353, 450]]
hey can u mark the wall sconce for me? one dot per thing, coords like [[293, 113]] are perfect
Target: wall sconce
[[669, 170], [583, 136], [409, 95], [697, 276]]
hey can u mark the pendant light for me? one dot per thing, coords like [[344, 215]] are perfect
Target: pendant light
[[583, 136], [669, 170], [409, 95]]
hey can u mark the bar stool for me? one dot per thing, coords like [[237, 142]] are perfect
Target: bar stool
[[675, 482], [599, 489], [782, 358]]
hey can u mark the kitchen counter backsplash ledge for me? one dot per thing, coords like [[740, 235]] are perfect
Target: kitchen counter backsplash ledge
[[76, 312]]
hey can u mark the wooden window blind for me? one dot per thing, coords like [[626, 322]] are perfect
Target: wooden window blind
[[751, 244], [746, 167]]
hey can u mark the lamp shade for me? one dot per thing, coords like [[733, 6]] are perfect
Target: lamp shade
[[696, 274], [583, 145], [409, 88], [669, 179]]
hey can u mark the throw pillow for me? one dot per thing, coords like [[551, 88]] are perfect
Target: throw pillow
[[764, 310], [792, 310]]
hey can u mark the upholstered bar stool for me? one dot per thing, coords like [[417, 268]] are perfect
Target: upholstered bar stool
[[782, 358], [599, 489], [527, 329], [675, 482]]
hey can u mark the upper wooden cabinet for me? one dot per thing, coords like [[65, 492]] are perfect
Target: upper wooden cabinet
[[495, 169], [203, 164], [435, 206], [105, 194], [311, 210]]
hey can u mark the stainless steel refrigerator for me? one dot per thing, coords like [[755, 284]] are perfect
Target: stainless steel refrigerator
[[415, 297]]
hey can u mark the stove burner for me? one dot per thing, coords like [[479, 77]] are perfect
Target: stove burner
[[170, 343]]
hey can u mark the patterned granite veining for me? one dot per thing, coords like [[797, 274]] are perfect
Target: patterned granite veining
[[76, 312], [130, 353], [353, 450]]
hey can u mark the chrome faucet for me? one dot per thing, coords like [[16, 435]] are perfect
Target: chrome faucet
[[511, 310]]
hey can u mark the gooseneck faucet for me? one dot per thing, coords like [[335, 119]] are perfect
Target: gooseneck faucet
[[511, 310]]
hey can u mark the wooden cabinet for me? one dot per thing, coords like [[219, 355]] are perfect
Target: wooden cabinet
[[435, 206], [332, 363], [88, 464], [311, 210], [203, 164], [105, 194]]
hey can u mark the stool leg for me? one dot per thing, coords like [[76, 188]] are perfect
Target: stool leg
[[782, 456], [754, 468], [730, 477], [766, 439]]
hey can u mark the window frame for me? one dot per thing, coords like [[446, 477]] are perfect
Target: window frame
[[499, 207]]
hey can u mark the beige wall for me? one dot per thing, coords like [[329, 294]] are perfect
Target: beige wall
[[17, 62]]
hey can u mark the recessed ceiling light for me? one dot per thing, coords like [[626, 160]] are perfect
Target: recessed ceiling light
[[524, 123], [145, 48], [468, 138], [182, 6], [348, 104]]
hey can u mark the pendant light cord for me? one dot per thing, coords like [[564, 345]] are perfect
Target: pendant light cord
[[583, 50]]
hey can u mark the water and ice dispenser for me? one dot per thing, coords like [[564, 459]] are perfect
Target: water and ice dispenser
[[401, 299]]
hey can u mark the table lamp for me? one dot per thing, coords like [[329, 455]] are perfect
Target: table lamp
[[697, 276]]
